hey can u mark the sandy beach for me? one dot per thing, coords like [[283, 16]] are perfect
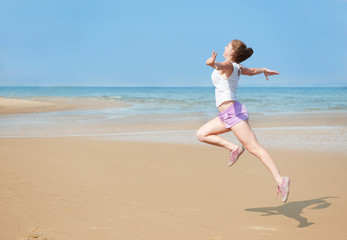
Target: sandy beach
[[102, 187], [101, 103], [52, 104]]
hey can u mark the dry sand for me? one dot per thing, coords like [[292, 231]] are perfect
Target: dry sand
[[82, 188], [51, 104]]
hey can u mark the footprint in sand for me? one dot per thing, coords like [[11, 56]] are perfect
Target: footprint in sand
[[34, 235]]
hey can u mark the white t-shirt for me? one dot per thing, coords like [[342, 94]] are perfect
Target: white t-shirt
[[226, 88]]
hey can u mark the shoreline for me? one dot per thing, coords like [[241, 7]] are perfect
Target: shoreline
[[114, 121], [312, 139]]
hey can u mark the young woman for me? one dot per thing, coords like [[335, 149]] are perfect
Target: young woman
[[233, 115]]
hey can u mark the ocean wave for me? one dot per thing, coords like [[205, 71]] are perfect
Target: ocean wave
[[110, 97]]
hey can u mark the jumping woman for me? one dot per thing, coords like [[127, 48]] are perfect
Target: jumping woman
[[233, 115]]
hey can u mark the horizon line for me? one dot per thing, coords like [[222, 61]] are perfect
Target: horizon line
[[284, 86]]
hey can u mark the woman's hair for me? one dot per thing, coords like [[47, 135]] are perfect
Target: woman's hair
[[241, 51]]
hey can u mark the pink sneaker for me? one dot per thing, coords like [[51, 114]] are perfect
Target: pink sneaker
[[234, 155], [283, 189]]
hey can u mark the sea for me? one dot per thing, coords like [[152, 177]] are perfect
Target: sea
[[178, 100]]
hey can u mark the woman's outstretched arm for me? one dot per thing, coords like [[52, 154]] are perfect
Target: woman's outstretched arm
[[217, 65], [255, 71]]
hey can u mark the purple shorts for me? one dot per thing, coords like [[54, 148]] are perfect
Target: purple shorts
[[233, 115]]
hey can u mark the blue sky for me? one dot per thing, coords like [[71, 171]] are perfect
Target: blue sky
[[166, 43]]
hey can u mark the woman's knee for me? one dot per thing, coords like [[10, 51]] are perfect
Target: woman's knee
[[200, 135], [254, 149]]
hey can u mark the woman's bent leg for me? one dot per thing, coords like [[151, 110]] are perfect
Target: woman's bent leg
[[208, 133], [244, 133]]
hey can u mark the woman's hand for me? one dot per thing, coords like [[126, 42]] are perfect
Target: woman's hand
[[268, 72], [212, 59]]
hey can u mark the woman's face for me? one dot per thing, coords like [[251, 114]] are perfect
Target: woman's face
[[228, 51]]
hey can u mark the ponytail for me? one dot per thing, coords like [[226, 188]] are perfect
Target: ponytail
[[241, 51]]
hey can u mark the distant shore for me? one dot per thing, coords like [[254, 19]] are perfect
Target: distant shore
[[51, 104]]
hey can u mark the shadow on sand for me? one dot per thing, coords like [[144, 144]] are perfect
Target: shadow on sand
[[294, 209]]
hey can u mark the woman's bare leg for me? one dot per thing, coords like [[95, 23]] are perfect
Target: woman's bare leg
[[208, 133], [245, 135]]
